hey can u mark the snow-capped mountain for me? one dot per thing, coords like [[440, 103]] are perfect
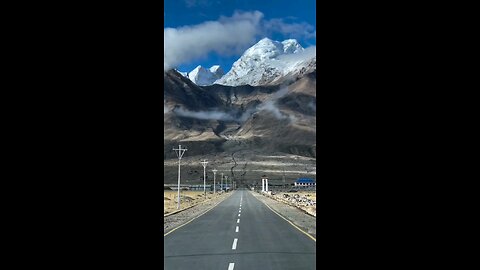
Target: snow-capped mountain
[[202, 76], [270, 62]]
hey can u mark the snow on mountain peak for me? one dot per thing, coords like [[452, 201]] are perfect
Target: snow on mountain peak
[[216, 69], [202, 76], [264, 49], [265, 63], [291, 46]]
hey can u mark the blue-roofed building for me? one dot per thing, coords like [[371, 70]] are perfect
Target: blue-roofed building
[[305, 182]]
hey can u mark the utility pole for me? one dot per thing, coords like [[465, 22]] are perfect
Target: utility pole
[[214, 173], [221, 182], [179, 153], [204, 163]]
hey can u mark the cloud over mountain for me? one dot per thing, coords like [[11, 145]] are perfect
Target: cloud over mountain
[[226, 36], [293, 29], [205, 115]]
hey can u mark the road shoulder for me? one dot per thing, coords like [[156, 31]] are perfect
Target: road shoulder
[[304, 221], [171, 222]]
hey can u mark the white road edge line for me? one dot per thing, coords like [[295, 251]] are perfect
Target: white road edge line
[[291, 223], [236, 230], [231, 266], [234, 246], [238, 220], [178, 227]]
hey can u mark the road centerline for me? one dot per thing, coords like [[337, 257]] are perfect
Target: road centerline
[[234, 246], [236, 229]]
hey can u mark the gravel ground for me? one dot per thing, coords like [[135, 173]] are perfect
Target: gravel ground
[[295, 215], [178, 219], [305, 206]]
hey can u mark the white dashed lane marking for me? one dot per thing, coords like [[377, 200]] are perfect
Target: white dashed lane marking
[[238, 220], [234, 246], [231, 266], [236, 230], [239, 214]]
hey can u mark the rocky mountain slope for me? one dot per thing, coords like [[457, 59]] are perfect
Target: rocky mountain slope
[[244, 131]]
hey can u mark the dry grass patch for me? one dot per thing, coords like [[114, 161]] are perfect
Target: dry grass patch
[[187, 198]]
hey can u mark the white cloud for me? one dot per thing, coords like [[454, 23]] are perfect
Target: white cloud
[[204, 115], [165, 107], [293, 30], [270, 105], [233, 115], [227, 36]]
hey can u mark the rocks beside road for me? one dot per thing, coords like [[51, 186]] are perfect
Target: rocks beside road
[[297, 200], [301, 219]]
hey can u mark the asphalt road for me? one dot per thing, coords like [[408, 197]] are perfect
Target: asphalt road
[[263, 241]]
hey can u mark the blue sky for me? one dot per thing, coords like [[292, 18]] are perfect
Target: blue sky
[[279, 20]]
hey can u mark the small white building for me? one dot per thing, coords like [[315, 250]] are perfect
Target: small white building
[[264, 183], [305, 182]]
